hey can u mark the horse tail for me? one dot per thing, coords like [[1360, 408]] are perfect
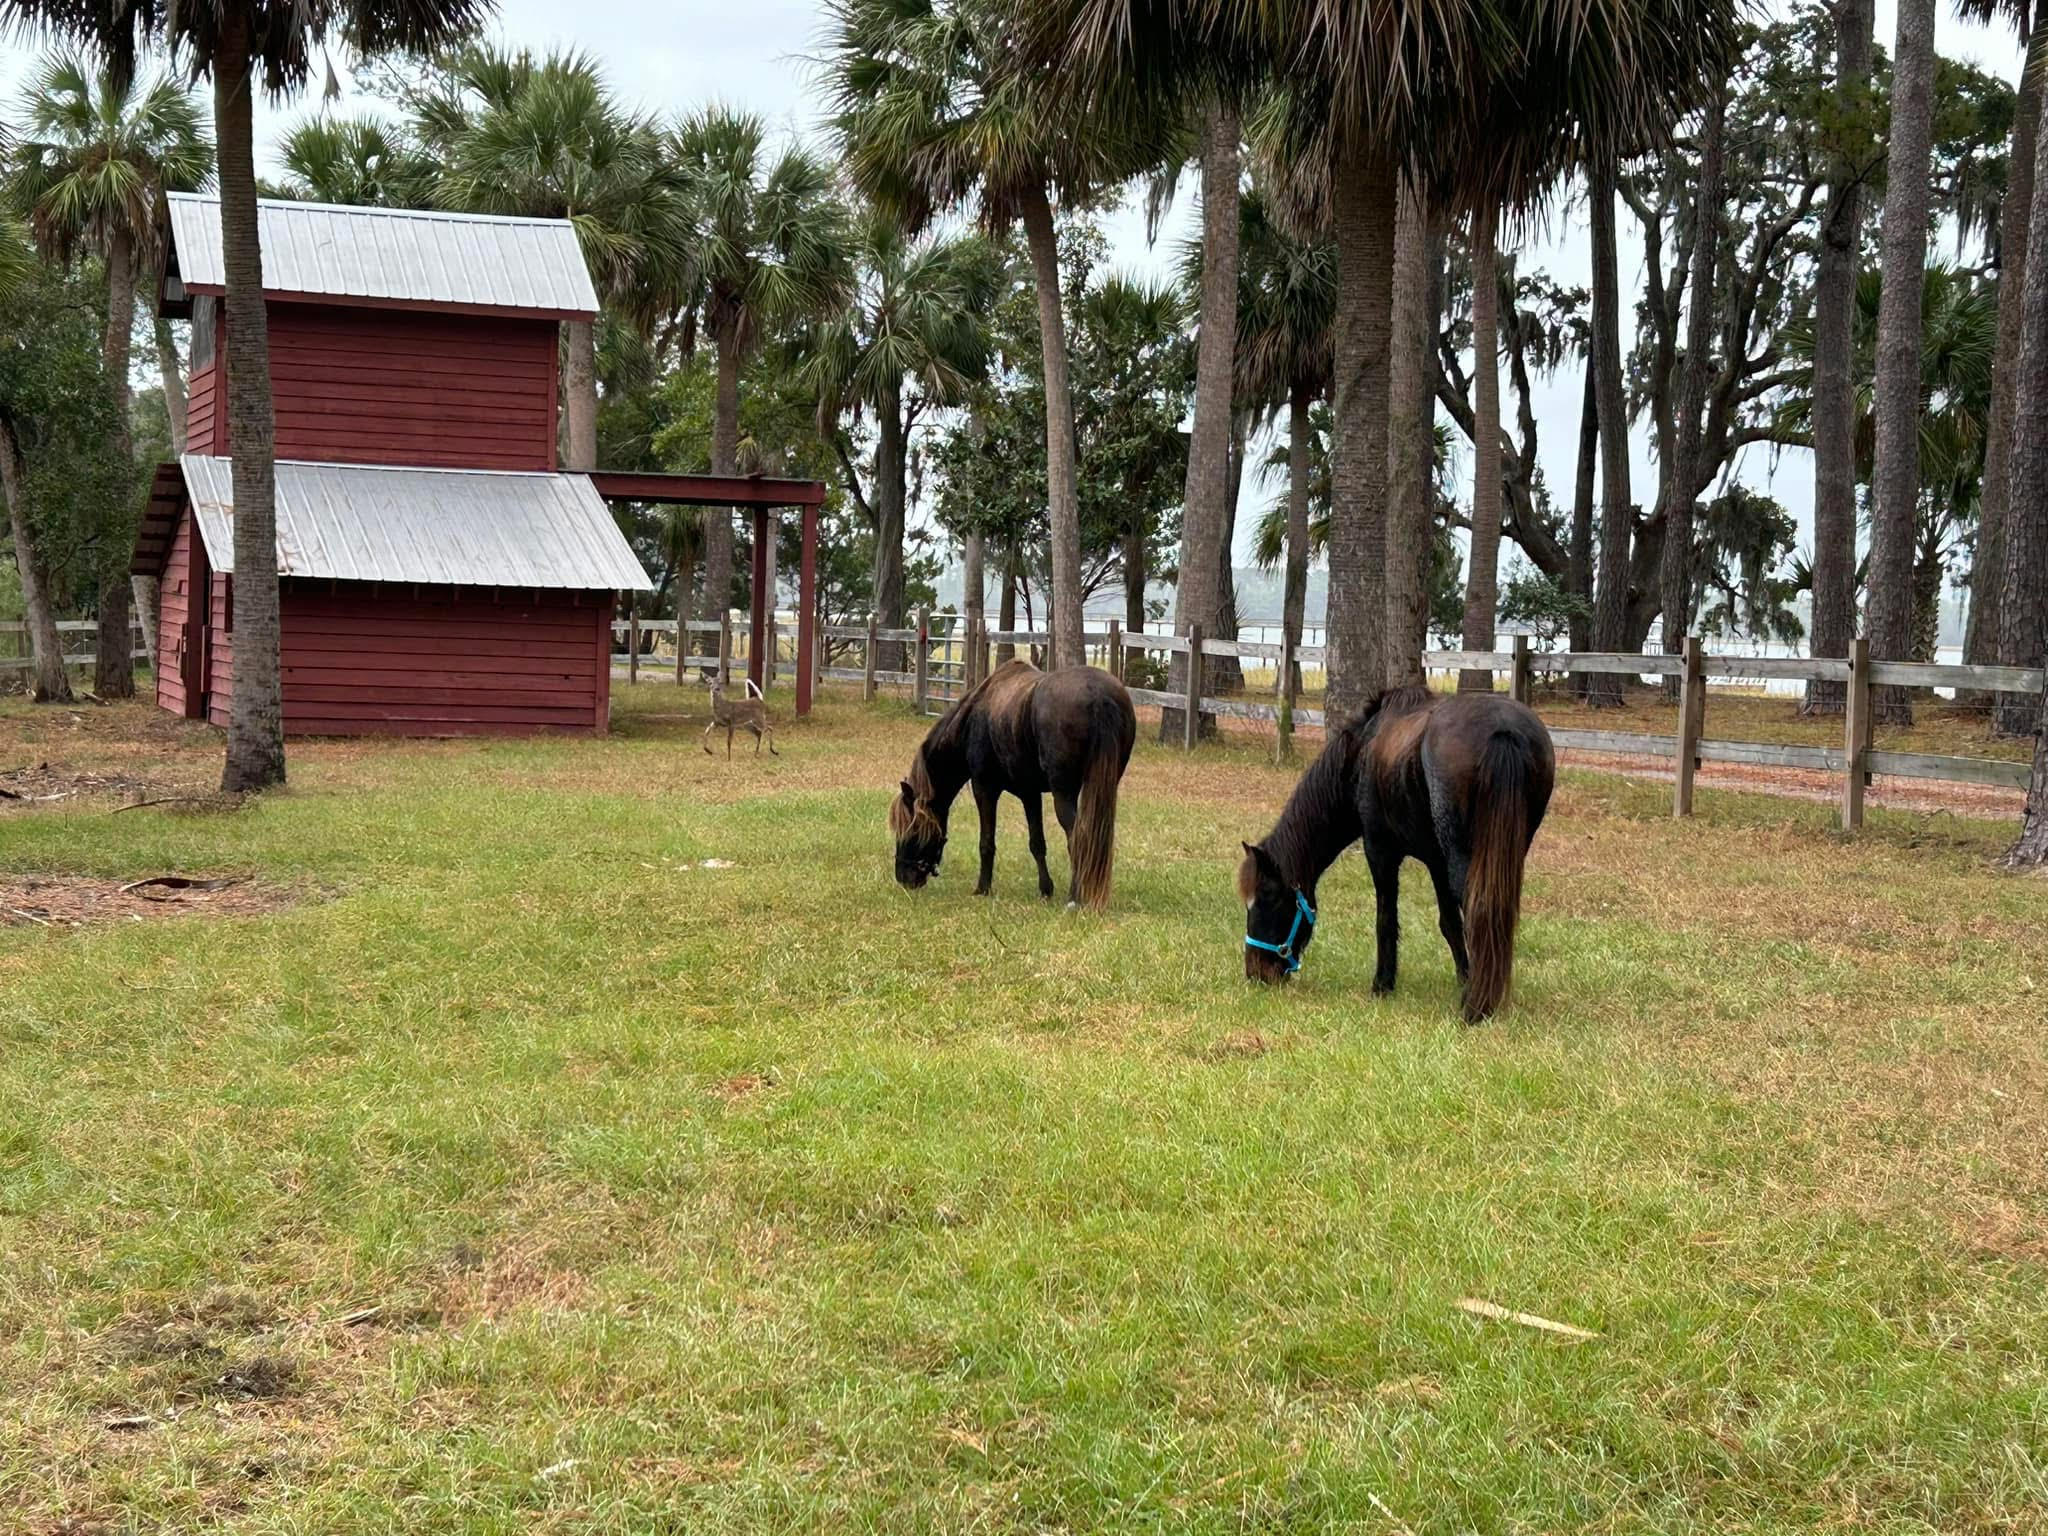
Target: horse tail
[[1500, 825], [1093, 844]]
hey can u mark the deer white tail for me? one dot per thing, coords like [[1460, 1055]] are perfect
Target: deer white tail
[[755, 689]]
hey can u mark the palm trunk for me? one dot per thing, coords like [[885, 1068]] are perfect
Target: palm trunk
[[1834, 384], [1895, 477], [579, 383], [1062, 484], [1579, 570], [1294, 602], [2023, 604], [725, 448], [46, 645], [890, 484], [2031, 851], [1482, 582], [255, 755], [1135, 577], [1617, 514], [1410, 418], [1682, 475], [1006, 606], [973, 598], [1987, 571], [1224, 675], [686, 574], [113, 650], [1364, 206]]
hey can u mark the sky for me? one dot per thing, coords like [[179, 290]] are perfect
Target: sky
[[668, 56]]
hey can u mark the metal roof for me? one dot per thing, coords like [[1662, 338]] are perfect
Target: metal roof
[[439, 527], [394, 256]]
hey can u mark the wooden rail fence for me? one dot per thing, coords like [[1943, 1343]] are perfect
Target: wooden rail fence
[[15, 657]]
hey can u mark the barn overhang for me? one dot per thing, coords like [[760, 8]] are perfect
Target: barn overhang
[[423, 527]]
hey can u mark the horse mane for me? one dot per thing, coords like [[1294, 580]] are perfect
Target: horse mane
[[1398, 701], [943, 738]]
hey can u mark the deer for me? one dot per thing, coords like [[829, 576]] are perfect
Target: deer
[[742, 714]]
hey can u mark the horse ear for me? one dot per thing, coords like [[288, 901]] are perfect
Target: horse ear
[[1264, 861], [909, 794], [1248, 875]]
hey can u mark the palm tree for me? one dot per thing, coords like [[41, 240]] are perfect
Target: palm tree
[[1895, 475], [918, 318], [1482, 582], [1486, 100], [768, 246], [939, 110], [242, 44], [90, 176], [358, 161], [2023, 604], [545, 139], [1411, 426], [1288, 299]]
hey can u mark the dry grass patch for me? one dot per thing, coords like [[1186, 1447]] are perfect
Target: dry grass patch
[[75, 901]]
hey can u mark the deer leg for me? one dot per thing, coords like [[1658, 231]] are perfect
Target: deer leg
[[1034, 818], [706, 738]]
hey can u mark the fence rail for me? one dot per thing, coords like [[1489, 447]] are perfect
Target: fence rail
[[23, 662]]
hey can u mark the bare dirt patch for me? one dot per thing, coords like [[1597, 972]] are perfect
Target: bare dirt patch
[[77, 901]]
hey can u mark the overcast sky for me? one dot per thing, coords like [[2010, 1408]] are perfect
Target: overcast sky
[[670, 56]]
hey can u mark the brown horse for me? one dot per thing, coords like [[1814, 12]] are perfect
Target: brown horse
[[1459, 781], [1025, 732]]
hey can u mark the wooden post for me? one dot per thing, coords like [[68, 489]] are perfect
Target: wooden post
[[1191, 724], [922, 672], [725, 649], [1692, 715], [1283, 686], [1116, 649], [1856, 733], [810, 628], [1522, 679], [867, 684], [632, 638]]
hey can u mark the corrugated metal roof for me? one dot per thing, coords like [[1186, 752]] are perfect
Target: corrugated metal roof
[[394, 255], [440, 527]]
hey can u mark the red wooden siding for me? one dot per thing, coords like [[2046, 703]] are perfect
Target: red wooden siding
[[377, 386], [220, 650], [174, 609], [361, 659]]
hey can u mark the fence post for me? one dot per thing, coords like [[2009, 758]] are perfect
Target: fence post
[[1522, 677], [1283, 735], [1191, 722], [632, 637], [725, 649], [921, 688], [867, 684], [1856, 733], [1692, 714], [1116, 649]]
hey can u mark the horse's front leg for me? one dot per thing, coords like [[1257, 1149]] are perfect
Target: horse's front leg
[[1450, 911], [985, 798], [1066, 807], [1385, 864], [1034, 818]]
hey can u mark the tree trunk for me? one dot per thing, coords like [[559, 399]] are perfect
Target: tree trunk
[[51, 684], [1135, 577], [1224, 675], [2023, 603], [113, 650], [1294, 601], [1006, 607], [172, 375], [1617, 514], [255, 755], [1063, 494], [1410, 419], [1987, 569], [1895, 476], [579, 383], [1834, 383], [1364, 205], [889, 491], [1927, 574], [686, 575], [973, 580], [725, 448], [1198, 597], [1482, 582], [1579, 576], [2031, 851], [1683, 472]]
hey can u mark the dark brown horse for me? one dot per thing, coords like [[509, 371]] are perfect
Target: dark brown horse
[[1026, 732], [1459, 781]]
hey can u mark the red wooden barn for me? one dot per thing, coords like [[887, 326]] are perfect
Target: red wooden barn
[[439, 575]]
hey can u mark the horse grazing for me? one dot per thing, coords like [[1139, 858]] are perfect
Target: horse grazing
[[1027, 732], [1459, 781]]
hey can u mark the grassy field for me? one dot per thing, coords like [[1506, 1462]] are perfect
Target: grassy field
[[526, 1174]]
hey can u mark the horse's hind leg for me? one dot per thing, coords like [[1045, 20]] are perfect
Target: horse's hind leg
[[1386, 885], [1034, 819], [985, 800], [1450, 913], [1066, 807]]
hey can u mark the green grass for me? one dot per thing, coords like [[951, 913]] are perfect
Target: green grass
[[775, 1198]]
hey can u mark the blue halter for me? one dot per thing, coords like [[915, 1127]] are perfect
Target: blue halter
[[1288, 950]]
